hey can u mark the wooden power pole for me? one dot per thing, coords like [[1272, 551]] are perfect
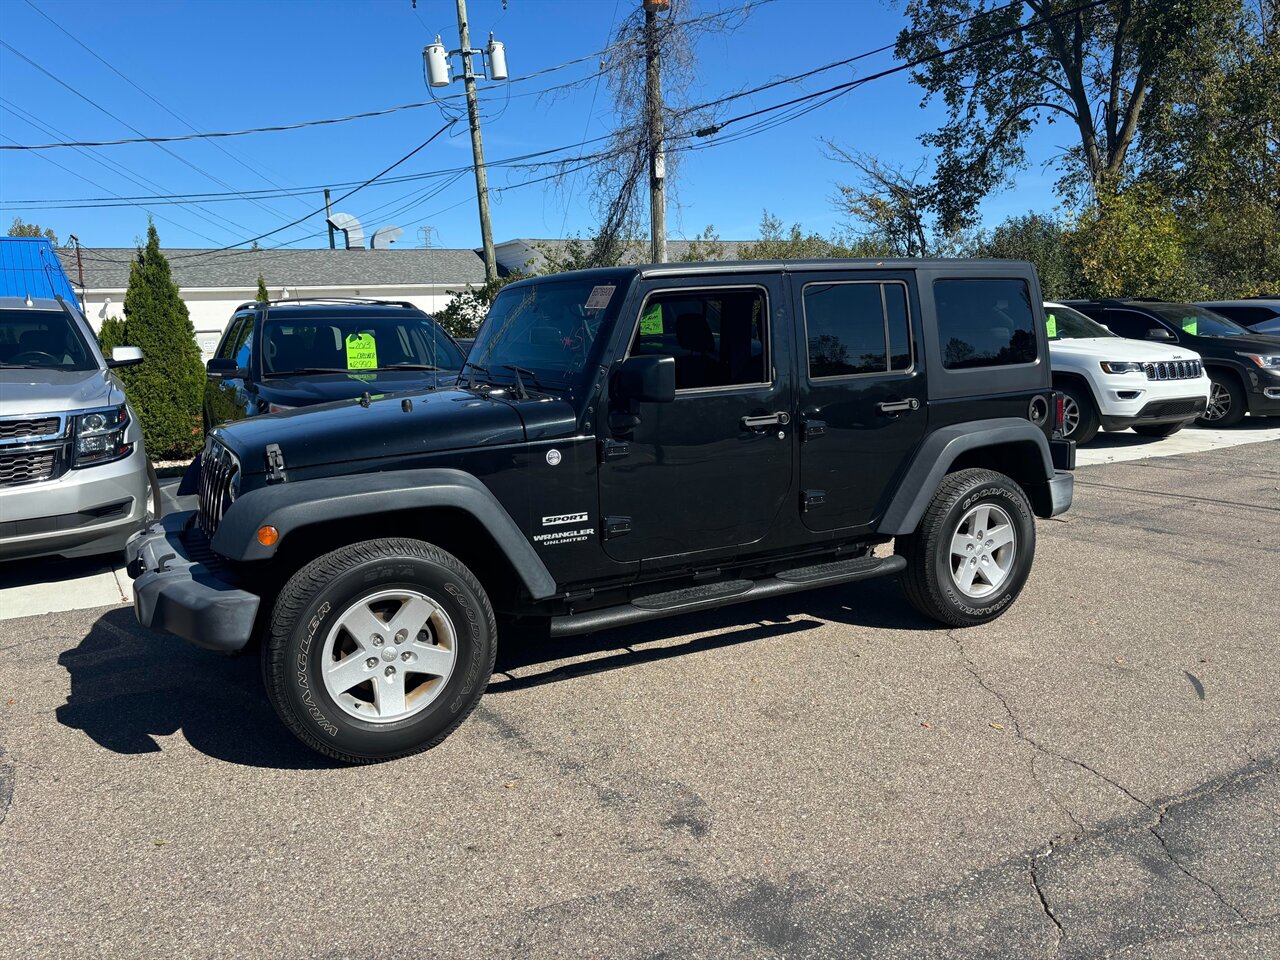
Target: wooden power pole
[[477, 146], [653, 111]]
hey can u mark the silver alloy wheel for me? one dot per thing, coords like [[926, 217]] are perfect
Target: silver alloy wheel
[[983, 549], [1219, 402], [1070, 415], [389, 655]]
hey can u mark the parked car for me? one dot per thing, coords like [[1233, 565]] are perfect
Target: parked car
[[73, 470], [1259, 314], [1110, 383], [625, 444], [282, 354], [1244, 367]]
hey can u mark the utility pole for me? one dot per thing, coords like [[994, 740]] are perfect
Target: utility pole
[[328, 214], [79, 268], [477, 146], [436, 60], [653, 111]]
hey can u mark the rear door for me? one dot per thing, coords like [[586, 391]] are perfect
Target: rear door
[[862, 392]]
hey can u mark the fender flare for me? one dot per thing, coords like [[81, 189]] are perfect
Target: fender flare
[[940, 450], [291, 506]]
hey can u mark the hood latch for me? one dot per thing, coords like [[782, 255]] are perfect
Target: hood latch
[[275, 464]]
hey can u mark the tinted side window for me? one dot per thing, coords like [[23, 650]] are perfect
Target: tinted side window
[[855, 328], [718, 337], [1130, 324], [227, 348], [984, 323], [243, 349], [1246, 315]]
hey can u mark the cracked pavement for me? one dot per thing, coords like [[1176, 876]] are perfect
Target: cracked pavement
[[826, 774]]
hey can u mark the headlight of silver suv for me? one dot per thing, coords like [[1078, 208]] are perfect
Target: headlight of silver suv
[[100, 436], [1120, 366], [1264, 360]]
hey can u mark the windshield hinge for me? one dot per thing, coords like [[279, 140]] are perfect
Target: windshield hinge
[[275, 464]]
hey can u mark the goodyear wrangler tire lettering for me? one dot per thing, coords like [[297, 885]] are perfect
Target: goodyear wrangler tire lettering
[[302, 631]]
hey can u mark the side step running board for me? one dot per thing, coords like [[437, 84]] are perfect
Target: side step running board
[[711, 595]]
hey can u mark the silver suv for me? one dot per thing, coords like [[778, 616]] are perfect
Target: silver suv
[[73, 471]]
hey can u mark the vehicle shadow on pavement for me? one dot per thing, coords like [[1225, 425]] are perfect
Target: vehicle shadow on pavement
[[130, 686], [877, 604]]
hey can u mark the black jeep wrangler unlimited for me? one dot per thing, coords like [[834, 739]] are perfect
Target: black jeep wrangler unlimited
[[623, 444]]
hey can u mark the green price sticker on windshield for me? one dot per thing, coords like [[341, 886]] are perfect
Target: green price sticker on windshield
[[1190, 325], [362, 352], [651, 322], [1051, 324]]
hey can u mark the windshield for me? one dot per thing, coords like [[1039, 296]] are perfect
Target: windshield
[[548, 328], [1197, 321], [42, 339], [396, 340], [1063, 323]]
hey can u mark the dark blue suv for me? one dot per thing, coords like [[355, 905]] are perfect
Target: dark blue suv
[[282, 354]]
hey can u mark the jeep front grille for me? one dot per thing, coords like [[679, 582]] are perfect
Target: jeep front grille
[[28, 466], [1172, 370], [218, 468]]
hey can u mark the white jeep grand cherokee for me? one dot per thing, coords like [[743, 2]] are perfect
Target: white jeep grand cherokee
[[1111, 383]]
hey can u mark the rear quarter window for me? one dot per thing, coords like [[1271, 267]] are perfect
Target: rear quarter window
[[984, 323]]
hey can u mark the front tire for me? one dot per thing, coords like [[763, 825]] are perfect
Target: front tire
[[379, 650], [1158, 429], [1080, 420], [1227, 405], [971, 553]]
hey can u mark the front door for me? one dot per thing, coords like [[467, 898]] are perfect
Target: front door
[[712, 469], [862, 393]]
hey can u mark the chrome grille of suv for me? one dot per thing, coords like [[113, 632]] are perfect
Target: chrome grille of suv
[[29, 466], [30, 428], [217, 468], [1172, 370]]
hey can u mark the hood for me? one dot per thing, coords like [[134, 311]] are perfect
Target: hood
[[1256, 344], [448, 419], [1118, 348], [313, 388], [25, 392]]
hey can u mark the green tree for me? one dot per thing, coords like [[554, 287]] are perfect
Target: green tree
[[466, 309], [704, 247], [779, 242], [111, 335], [1098, 71], [165, 389], [1045, 242], [20, 228], [1130, 244], [263, 295]]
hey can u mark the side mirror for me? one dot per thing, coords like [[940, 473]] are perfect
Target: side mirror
[[223, 368], [646, 379], [125, 357], [1160, 333]]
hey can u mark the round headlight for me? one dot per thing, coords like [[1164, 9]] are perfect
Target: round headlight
[[95, 422]]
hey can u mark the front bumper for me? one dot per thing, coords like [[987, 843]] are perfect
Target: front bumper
[[178, 588], [84, 511], [1157, 412]]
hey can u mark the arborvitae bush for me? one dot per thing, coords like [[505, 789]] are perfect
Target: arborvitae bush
[[262, 289], [111, 335], [167, 387]]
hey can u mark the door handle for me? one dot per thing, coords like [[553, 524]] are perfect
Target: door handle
[[899, 406], [779, 419]]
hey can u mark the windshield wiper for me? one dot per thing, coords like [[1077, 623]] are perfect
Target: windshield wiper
[[290, 373], [471, 380], [24, 366], [407, 366], [528, 373]]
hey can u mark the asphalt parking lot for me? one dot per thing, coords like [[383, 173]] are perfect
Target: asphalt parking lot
[[822, 775]]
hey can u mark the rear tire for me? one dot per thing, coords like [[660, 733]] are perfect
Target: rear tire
[[1227, 404], [1079, 413], [379, 649], [1158, 429], [971, 553]]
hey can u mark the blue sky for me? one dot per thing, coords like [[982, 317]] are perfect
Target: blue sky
[[231, 64]]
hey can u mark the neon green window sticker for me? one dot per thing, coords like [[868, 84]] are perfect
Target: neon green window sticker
[[651, 322], [1190, 325], [362, 352], [1051, 323]]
